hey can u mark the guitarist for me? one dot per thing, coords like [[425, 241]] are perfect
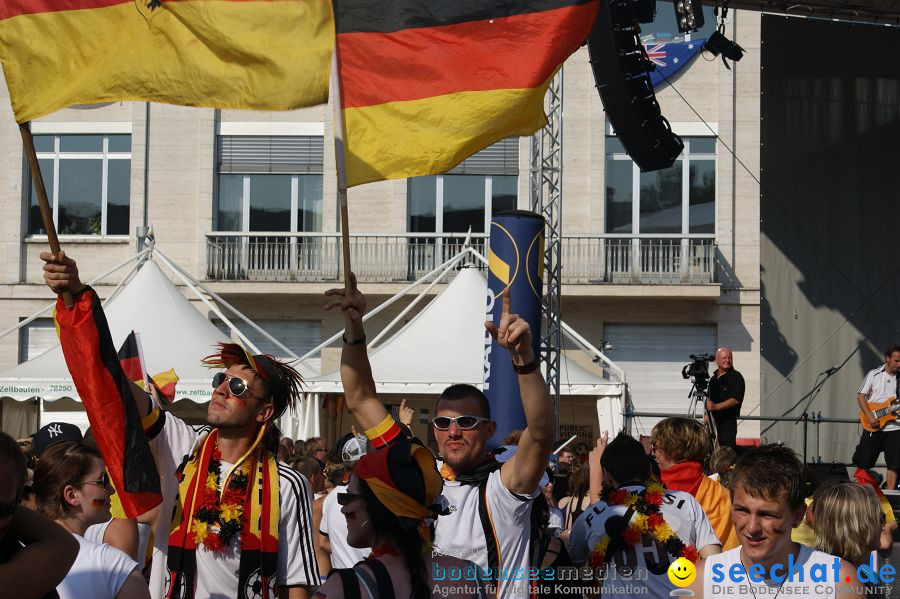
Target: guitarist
[[880, 385]]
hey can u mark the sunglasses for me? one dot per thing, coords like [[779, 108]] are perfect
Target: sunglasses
[[442, 423], [103, 481], [346, 498], [236, 386]]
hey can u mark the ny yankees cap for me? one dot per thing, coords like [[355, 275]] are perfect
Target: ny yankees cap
[[53, 433]]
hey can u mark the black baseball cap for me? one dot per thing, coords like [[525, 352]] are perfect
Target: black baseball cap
[[53, 433]]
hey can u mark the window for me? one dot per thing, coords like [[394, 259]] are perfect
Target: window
[[299, 336], [88, 183], [36, 337], [678, 200], [269, 183], [469, 194]]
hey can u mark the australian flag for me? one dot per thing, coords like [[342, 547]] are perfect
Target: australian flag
[[670, 57]]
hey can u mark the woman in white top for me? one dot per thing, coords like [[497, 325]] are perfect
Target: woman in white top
[[72, 487]]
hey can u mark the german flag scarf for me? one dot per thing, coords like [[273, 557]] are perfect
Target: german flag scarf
[[198, 497]]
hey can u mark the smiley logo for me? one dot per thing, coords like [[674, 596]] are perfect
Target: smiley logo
[[682, 572]]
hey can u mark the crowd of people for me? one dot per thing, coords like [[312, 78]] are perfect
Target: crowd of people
[[248, 513]]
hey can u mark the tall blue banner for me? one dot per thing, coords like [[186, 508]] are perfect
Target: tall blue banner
[[515, 260]]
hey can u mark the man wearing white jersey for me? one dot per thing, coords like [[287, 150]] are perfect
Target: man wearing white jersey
[[610, 531], [490, 504], [234, 523], [880, 385], [767, 503]]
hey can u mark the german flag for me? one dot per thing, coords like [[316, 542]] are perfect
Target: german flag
[[105, 391], [255, 54], [132, 360], [425, 84]]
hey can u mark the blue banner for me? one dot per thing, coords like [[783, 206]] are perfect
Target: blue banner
[[670, 57], [515, 260]]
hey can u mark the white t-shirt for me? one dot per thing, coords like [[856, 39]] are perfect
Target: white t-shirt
[[334, 525], [97, 532], [461, 535], [879, 386], [99, 572], [649, 563], [217, 573], [719, 583]]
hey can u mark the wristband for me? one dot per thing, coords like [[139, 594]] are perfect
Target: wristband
[[359, 341], [383, 433], [526, 368]]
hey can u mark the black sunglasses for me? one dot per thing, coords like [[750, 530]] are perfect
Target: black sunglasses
[[236, 386], [103, 481], [345, 498], [442, 423]]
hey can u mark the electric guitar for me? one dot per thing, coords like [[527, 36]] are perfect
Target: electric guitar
[[884, 411]]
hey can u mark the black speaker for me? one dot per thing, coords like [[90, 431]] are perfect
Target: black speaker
[[620, 65], [814, 475]]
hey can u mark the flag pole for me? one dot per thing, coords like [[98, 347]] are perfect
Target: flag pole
[[340, 164], [46, 213]]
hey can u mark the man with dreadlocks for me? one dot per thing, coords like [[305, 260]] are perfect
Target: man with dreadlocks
[[241, 522]]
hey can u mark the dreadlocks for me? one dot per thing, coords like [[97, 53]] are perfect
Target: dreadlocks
[[282, 380]]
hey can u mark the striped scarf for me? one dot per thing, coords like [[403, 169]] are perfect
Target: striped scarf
[[257, 573]]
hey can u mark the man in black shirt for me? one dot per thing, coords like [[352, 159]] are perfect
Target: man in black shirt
[[726, 393]]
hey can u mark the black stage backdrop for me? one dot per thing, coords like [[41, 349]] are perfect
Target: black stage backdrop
[[830, 208]]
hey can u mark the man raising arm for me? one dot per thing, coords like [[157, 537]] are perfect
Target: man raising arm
[[490, 504]]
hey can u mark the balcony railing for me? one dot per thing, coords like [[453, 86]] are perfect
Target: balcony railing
[[586, 259]]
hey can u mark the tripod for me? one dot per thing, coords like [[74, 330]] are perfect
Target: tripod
[[699, 395]]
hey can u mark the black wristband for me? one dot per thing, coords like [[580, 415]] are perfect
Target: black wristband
[[360, 341], [526, 368]]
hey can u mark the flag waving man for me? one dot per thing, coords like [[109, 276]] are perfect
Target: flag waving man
[[241, 523]]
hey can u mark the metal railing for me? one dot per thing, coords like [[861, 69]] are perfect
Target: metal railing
[[390, 257]]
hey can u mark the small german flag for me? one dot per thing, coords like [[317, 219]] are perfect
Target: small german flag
[[132, 360], [426, 84]]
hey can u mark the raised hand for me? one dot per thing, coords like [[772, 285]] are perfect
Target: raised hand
[[405, 414], [352, 302], [513, 333], [61, 273]]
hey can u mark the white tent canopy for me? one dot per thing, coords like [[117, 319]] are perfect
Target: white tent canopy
[[173, 334], [443, 345]]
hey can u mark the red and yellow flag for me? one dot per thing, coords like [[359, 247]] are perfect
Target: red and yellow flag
[[253, 54], [426, 84]]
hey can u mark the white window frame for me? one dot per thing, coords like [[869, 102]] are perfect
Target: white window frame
[[439, 203], [105, 156], [245, 198], [685, 157]]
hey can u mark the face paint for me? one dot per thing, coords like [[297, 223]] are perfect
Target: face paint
[[98, 504]]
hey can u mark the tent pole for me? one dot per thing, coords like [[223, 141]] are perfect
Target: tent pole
[[31, 318], [384, 305], [413, 303], [192, 286]]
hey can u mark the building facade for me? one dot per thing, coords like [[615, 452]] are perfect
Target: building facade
[[656, 266]]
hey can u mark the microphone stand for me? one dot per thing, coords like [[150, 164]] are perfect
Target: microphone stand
[[814, 393]]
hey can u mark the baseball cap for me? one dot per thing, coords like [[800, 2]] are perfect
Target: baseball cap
[[53, 433], [353, 449]]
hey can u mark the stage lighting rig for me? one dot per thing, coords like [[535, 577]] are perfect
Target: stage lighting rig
[[689, 15], [719, 44]]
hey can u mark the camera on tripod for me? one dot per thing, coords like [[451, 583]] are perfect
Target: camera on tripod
[[698, 370]]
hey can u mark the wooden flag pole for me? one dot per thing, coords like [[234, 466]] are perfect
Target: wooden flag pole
[[339, 165], [46, 212]]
